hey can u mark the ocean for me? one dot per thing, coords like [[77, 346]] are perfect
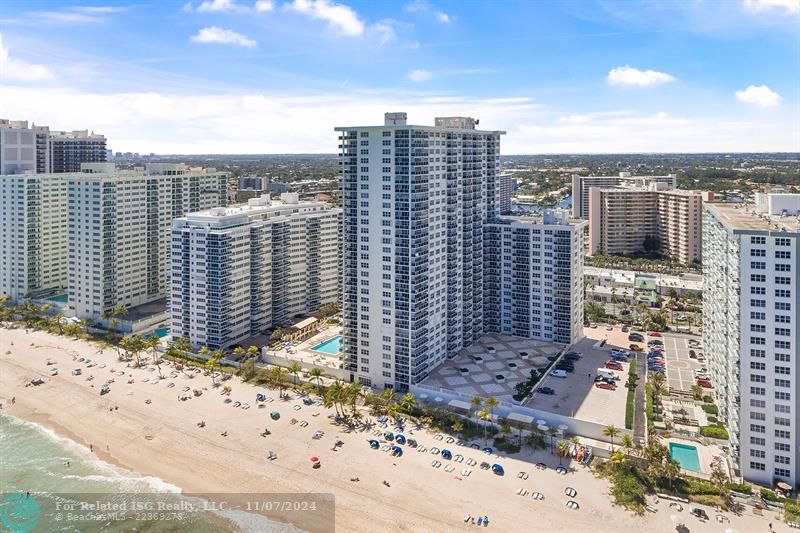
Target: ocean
[[52, 484]]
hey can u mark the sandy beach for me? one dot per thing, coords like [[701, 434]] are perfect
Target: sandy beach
[[144, 427]]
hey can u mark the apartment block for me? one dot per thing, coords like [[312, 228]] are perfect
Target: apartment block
[[582, 184], [237, 271], [36, 150], [533, 277], [751, 260], [33, 235], [418, 204], [118, 224], [630, 220], [68, 149]]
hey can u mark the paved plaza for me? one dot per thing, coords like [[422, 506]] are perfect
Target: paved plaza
[[680, 367], [491, 356]]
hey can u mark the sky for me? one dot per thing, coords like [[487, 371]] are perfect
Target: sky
[[276, 76]]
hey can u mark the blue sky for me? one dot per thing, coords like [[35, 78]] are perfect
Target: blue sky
[[275, 76]]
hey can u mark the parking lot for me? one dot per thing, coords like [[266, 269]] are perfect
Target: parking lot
[[576, 395], [680, 367]]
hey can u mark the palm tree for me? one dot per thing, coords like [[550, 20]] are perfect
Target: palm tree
[[627, 443], [353, 394], [552, 432], [476, 403], [617, 458], [657, 383], [562, 450], [519, 427], [491, 403], [505, 429], [408, 402], [386, 400], [211, 365], [333, 395], [252, 352], [457, 427], [611, 431], [316, 374], [484, 415], [294, 370]]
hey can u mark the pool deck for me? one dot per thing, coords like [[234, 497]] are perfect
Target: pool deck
[[303, 351], [705, 454]]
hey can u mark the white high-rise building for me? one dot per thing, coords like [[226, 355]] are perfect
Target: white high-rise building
[[119, 221], [413, 200], [582, 184], [533, 276], [33, 235], [751, 260], [237, 271], [416, 201]]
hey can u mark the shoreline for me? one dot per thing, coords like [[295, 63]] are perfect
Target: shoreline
[[161, 439]]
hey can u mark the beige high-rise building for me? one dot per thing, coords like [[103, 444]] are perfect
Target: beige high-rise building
[[630, 220]]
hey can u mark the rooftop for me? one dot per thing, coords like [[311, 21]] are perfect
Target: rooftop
[[739, 216]]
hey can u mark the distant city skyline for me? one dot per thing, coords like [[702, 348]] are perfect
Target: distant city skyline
[[275, 76]]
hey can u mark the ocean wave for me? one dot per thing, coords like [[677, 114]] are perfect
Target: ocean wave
[[113, 474]]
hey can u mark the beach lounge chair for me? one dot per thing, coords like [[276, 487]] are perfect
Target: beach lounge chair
[[569, 491], [303, 424], [466, 518], [435, 450], [459, 443], [468, 472], [459, 458], [519, 491], [480, 520], [572, 504], [450, 440], [296, 407], [537, 495], [449, 468], [561, 470]]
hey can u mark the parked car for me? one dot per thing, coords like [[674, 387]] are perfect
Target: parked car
[[606, 379], [706, 384], [558, 373], [546, 390], [635, 337], [692, 356], [624, 329], [692, 353], [655, 342], [605, 385], [565, 365], [572, 356], [614, 365], [654, 334], [699, 513], [700, 373]]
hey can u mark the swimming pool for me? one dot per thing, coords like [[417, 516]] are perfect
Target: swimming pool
[[685, 455], [331, 346], [60, 298], [161, 332]]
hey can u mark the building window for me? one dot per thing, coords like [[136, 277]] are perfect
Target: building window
[[757, 466]]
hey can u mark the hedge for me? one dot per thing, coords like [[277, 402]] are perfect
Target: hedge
[[710, 409], [714, 432], [629, 401], [742, 488]]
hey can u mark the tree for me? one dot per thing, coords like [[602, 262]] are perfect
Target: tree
[[552, 432], [657, 382], [5, 310], [333, 396], [352, 394], [457, 427], [253, 352], [617, 458], [505, 429], [719, 477], [277, 377], [611, 431], [484, 415], [627, 443], [276, 336], [614, 301], [408, 402], [294, 370], [594, 312], [316, 374], [211, 366], [476, 403], [491, 402], [562, 450]]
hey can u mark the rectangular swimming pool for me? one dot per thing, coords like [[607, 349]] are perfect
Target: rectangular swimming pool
[[685, 455], [330, 346]]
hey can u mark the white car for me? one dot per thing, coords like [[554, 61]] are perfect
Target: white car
[[559, 373], [700, 373]]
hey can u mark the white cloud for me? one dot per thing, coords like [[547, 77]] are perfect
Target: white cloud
[[18, 70], [100, 9], [422, 6], [630, 76], [790, 6], [759, 95], [186, 120], [264, 5], [441, 16], [210, 6], [340, 17], [213, 34], [385, 32], [420, 75]]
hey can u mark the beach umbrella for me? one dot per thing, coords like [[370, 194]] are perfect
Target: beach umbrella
[[497, 469], [314, 459], [447, 454], [542, 422], [542, 427], [563, 427], [422, 396], [389, 435], [438, 399], [397, 450], [487, 450], [400, 439], [374, 444]]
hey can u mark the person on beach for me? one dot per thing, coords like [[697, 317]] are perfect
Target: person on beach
[[91, 448], [13, 400]]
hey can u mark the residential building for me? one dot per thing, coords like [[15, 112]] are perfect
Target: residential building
[[751, 260], [68, 149], [631, 220], [237, 271], [119, 221], [533, 277], [418, 202], [582, 184], [33, 235], [254, 183], [36, 150], [504, 190]]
